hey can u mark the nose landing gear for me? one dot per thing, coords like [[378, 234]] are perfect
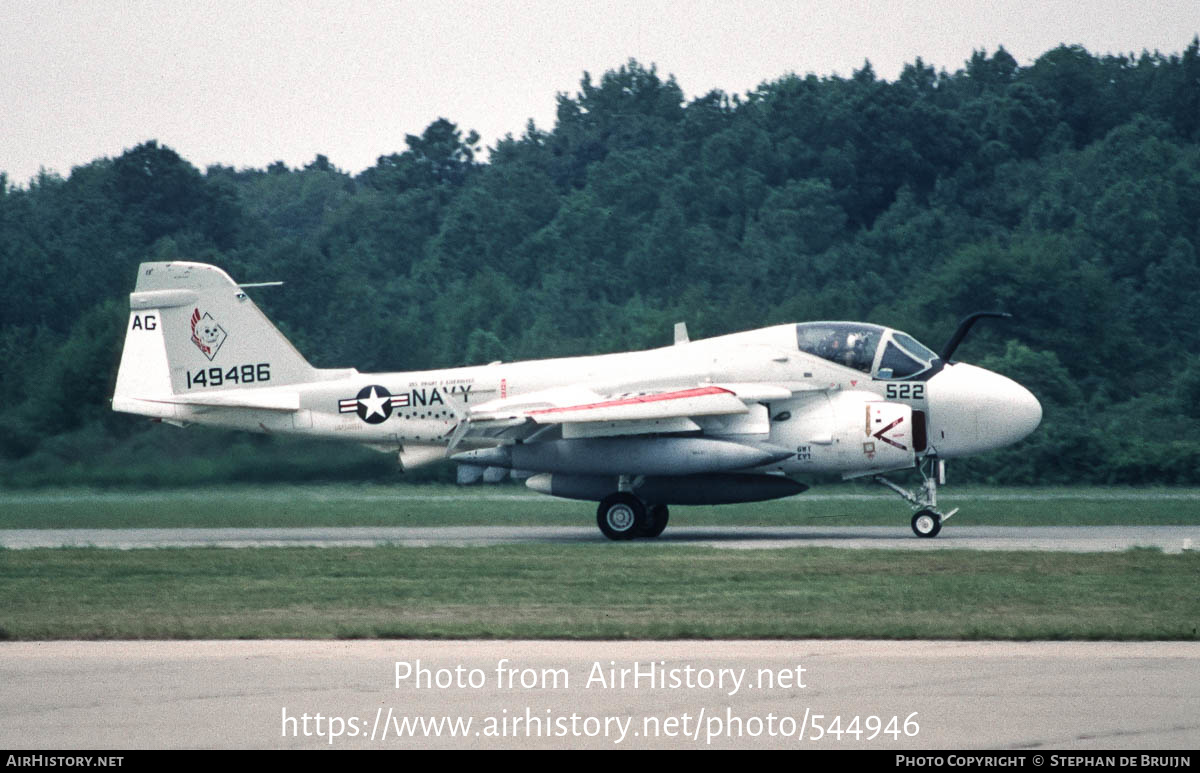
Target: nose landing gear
[[927, 521]]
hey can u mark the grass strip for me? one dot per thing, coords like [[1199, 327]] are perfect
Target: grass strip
[[439, 505], [596, 591]]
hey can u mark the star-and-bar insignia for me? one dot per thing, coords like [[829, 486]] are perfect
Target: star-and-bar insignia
[[373, 404]]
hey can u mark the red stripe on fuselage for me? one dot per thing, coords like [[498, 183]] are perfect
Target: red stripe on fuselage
[[698, 392]]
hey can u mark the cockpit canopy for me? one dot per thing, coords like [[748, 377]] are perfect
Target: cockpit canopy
[[882, 352]]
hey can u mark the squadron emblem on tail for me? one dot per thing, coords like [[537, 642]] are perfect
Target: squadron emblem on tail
[[207, 335]]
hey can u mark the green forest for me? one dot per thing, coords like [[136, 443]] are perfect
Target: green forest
[[1066, 192]]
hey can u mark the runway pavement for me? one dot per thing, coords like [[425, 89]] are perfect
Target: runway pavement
[[1170, 539], [555, 694]]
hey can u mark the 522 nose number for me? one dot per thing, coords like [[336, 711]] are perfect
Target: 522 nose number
[[238, 374], [905, 391]]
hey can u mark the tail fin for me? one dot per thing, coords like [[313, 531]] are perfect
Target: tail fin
[[192, 330]]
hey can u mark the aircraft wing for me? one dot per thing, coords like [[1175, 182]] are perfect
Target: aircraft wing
[[582, 412], [698, 401]]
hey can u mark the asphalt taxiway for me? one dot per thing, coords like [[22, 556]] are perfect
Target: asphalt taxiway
[[1087, 539], [891, 695]]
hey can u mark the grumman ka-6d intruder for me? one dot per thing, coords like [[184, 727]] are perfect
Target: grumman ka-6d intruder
[[717, 421]]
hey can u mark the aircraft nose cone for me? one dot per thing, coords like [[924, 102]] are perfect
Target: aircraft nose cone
[[973, 410], [1024, 411]]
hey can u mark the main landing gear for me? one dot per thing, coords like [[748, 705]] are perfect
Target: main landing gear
[[927, 520], [623, 516]]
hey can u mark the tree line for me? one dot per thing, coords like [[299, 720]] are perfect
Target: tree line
[[1066, 192]]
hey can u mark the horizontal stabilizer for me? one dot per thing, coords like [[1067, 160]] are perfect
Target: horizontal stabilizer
[[257, 398]]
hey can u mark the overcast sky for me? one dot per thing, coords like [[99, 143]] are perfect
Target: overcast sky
[[246, 83]]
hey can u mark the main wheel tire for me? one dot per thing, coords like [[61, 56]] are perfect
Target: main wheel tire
[[621, 516], [656, 520], [927, 523]]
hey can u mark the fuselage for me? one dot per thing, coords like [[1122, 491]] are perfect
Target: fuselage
[[957, 410]]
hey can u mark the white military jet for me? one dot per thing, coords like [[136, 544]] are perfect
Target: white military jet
[[716, 421]]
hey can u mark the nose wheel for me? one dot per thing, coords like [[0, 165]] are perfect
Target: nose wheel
[[927, 521]]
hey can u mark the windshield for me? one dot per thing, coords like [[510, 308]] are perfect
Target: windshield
[[903, 357], [915, 347], [896, 364]]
